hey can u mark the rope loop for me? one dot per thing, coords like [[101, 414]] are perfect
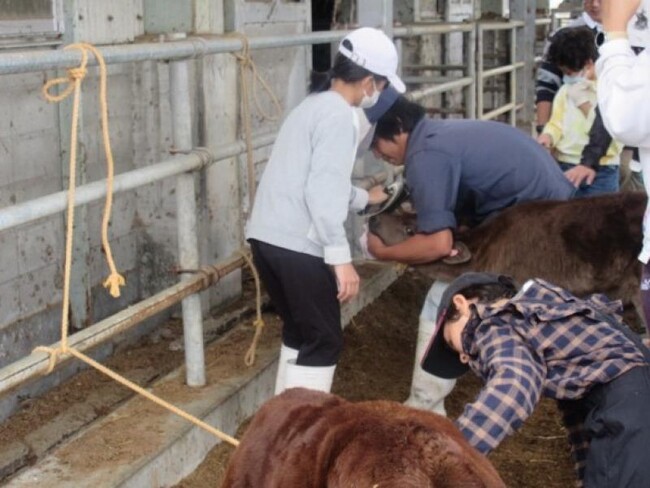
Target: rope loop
[[249, 358], [54, 353]]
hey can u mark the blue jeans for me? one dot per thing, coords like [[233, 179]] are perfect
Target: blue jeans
[[606, 181]]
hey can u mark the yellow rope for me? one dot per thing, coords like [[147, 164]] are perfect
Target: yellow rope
[[157, 400], [74, 78], [246, 64], [249, 359]]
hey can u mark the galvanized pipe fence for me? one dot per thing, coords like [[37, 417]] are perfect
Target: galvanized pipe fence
[[181, 166]]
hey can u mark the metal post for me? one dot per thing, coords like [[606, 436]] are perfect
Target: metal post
[[513, 76], [524, 10], [188, 249], [479, 71], [470, 91], [376, 13]]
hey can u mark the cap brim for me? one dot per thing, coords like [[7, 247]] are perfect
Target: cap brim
[[387, 99], [397, 83], [441, 361]]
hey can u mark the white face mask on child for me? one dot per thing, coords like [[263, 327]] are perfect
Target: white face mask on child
[[573, 79], [369, 100]]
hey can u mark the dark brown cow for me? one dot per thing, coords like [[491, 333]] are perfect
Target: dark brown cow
[[309, 439], [587, 245]]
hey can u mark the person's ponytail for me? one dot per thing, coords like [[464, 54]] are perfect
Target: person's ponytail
[[320, 81]]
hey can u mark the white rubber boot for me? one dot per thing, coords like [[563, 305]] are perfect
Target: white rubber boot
[[286, 354], [312, 377], [428, 392]]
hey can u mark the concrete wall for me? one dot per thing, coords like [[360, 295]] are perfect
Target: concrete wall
[[34, 139]]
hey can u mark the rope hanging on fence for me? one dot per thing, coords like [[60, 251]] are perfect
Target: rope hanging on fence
[[249, 359], [246, 63], [74, 78]]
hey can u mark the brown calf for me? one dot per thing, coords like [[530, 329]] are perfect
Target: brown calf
[[587, 245], [309, 439]]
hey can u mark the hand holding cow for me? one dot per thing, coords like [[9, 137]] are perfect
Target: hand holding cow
[[377, 195]]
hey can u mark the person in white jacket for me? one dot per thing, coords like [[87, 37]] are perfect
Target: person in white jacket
[[624, 98], [296, 229]]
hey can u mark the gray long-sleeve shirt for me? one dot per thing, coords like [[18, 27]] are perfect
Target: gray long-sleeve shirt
[[305, 192]]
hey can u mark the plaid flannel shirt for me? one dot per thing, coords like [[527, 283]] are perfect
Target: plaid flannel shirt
[[542, 341]]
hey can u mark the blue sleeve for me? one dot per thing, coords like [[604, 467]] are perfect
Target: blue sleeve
[[433, 178]]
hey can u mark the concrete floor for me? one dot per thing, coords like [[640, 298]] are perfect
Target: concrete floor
[[142, 445]]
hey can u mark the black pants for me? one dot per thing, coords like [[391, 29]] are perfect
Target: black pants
[[303, 290], [618, 423]]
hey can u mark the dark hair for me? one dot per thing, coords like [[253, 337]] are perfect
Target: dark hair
[[572, 48], [343, 69], [506, 288], [402, 116]]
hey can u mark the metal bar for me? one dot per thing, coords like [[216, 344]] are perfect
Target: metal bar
[[444, 87], [24, 62], [429, 79], [423, 28], [188, 246], [36, 364], [470, 92], [172, 50], [435, 67], [54, 203], [479, 73], [513, 76], [399, 45], [509, 68], [495, 26], [501, 110]]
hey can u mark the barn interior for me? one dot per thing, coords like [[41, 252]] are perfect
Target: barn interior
[[195, 94]]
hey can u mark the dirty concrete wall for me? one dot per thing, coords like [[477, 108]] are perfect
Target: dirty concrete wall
[[34, 138]]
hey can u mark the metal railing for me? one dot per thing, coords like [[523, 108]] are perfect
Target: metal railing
[[482, 74], [179, 53], [441, 85]]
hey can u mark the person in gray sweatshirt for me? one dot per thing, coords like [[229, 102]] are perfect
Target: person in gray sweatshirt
[[296, 228]]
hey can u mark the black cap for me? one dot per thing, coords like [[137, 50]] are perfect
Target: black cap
[[439, 360], [387, 98]]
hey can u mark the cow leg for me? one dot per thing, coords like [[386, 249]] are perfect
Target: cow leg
[[286, 354], [428, 392]]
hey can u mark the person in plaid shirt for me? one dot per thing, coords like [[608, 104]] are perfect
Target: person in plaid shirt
[[542, 340]]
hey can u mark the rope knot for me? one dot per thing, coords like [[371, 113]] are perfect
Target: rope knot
[[54, 353], [113, 283], [78, 73]]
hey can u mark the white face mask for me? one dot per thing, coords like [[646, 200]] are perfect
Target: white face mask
[[369, 100], [573, 79]]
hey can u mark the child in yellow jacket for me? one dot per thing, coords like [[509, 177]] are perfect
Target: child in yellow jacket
[[574, 111]]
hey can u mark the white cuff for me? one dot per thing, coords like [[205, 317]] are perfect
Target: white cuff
[[359, 198], [337, 254]]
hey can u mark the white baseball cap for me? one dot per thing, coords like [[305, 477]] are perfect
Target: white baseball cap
[[374, 51]]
